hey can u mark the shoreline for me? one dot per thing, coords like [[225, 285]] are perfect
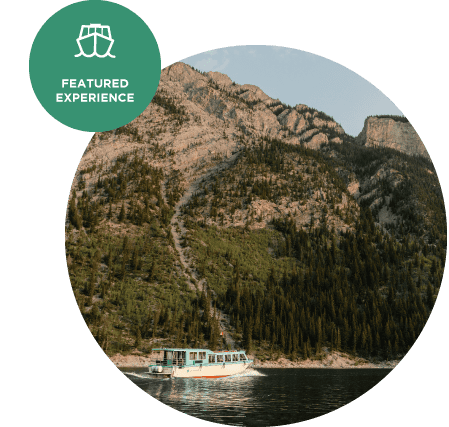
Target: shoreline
[[334, 360]]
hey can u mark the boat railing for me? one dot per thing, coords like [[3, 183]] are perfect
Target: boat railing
[[174, 362]]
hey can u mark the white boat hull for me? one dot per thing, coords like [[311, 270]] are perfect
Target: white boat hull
[[207, 371]]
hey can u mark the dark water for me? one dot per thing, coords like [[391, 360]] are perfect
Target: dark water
[[266, 397]]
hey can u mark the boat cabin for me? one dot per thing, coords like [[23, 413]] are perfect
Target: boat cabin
[[194, 357]]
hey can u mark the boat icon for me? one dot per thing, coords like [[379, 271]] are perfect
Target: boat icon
[[95, 40]]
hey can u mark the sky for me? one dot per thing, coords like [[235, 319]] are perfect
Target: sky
[[297, 77]]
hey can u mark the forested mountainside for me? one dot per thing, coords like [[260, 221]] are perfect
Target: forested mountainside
[[220, 209]]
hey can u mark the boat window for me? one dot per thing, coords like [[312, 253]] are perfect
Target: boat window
[[202, 355], [242, 357], [211, 358], [192, 355], [227, 357], [169, 355], [179, 357], [219, 358], [235, 357]]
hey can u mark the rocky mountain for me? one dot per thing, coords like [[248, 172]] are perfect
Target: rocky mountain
[[220, 209], [392, 132]]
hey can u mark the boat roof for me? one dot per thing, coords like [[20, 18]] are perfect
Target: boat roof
[[198, 349]]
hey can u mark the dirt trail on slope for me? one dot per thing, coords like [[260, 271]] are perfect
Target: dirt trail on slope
[[177, 239], [178, 235]]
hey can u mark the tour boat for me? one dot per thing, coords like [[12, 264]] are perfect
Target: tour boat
[[197, 363]]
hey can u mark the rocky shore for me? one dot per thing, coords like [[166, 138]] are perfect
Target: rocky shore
[[130, 361], [334, 360]]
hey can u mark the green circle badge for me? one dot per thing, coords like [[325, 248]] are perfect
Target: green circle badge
[[95, 66]]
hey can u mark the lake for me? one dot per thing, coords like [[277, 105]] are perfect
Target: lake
[[262, 397]]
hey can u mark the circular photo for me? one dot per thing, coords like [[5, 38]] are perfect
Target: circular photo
[[263, 244]]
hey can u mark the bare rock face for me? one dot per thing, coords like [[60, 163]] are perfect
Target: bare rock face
[[295, 122], [316, 141], [306, 135], [387, 132], [337, 140], [178, 72], [221, 79], [254, 94]]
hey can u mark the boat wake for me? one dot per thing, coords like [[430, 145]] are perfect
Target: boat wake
[[142, 375], [247, 373]]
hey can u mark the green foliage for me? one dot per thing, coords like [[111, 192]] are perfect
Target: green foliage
[[393, 117], [359, 295], [409, 189], [220, 250]]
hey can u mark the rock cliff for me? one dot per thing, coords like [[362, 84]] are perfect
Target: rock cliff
[[391, 133]]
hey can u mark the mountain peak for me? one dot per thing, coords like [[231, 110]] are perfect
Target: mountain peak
[[392, 132]]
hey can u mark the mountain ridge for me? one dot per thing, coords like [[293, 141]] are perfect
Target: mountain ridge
[[221, 209]]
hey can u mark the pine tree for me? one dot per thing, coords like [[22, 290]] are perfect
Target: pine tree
[[155, 323], [319, 341], [122, 214], [73, 214], [151, 271], [429, 296], [138, 341], [247, 336]]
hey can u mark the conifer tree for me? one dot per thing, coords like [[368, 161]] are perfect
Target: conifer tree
[[110, 211], [429, 296], [122, 214]]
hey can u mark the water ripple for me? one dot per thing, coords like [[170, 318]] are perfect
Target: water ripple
[[263, 397]]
